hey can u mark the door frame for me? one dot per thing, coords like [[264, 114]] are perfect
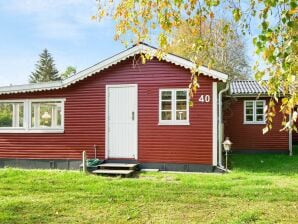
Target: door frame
[[107, 114]]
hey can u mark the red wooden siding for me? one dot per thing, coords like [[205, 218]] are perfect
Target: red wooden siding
[[295, 135], [85, 118], [250, 136]]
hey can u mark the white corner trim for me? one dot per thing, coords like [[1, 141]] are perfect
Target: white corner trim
[[106, 122], [290, 138], [141, 48], [214, 124]]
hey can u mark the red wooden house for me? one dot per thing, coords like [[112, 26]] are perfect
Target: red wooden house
[[245, 119], [132, 112], [128, 110]]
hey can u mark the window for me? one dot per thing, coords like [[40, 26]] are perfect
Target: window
[[44, 115], [254, 112], [11, 114], [174, 108]]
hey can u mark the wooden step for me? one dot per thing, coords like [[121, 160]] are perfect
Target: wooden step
[[113, 172], [119, 165]]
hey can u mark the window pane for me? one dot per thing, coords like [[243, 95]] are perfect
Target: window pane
[[166, 95], [248, 104], [6, 113], [11, 115], [249, 111], [181, 115], [260, 111], [166, 105], [181, 95], [46, 114], [249, 117], [260, 118], [166, 115], [259, 104], [181, 105], [21, 115]]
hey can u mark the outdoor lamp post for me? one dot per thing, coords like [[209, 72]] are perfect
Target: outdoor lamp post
[[227, 147]]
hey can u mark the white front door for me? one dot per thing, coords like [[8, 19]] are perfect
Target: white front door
[[121, 115]]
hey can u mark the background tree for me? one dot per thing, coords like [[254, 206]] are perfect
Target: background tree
[[226, 49], [45, 69], [276, 41], [70, 70]]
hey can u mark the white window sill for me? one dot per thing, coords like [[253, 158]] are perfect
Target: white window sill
[[255, 123], [174, 123], [8, 131]]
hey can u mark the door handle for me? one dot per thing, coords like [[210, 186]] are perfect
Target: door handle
[[133, 115]]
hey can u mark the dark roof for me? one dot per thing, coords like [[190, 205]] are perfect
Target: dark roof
[[247, 87]]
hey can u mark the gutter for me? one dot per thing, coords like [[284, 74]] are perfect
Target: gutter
[[220, 124]]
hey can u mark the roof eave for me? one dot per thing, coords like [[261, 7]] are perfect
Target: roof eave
[[248, 95]]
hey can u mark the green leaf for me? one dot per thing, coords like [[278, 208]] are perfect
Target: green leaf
[[236, 14], [265, 25], [254, 40], [262, 37], [293, 4], [290, 24]]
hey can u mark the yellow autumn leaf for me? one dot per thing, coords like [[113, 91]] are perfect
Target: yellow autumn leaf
[[293, 11], [143, 59], [265, 130], [284, 100]]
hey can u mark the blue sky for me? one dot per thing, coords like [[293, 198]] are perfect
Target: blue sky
[[64, 27]]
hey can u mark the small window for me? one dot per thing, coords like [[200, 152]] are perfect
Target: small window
[[174, 106], [11, 114], [46, 114], [254, 112]]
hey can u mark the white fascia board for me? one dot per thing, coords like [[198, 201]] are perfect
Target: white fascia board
[[141, 48], [214, 74]]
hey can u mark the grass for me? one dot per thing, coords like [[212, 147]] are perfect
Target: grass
[[261, 189]]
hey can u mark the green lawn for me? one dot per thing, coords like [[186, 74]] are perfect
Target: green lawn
[[261, 189]]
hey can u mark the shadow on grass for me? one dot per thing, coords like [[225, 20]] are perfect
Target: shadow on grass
[[266, 163]]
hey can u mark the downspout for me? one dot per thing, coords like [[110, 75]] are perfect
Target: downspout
[[290, 137], [220, 124]]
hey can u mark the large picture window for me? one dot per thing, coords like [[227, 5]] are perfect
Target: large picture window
[[38, 116], [174, 108], [254, 112]]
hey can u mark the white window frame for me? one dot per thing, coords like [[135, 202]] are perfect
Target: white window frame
[[173, 110], [254, 121], [27, 117]]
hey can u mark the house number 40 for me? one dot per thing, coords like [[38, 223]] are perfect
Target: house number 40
[[204, 98]]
